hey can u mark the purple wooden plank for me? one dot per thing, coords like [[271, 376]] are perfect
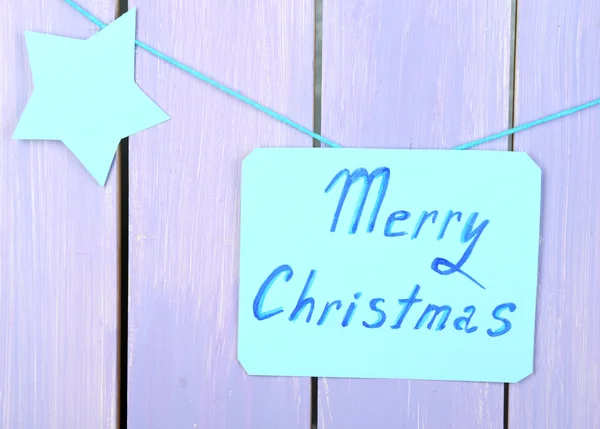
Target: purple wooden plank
[[557, 67], [413, 75], [58, 263], [184, 208]]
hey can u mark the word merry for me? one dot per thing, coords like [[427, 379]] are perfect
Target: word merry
[[470, 233], [431, 312]]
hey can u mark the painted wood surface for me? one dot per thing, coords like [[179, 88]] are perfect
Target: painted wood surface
[[184, 208], [58, 261], [557, 67], [418, 74]]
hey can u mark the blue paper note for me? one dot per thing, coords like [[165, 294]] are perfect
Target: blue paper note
[[375, 263], [85, 94]]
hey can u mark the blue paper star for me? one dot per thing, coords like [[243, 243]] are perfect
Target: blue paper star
[[85, 94]]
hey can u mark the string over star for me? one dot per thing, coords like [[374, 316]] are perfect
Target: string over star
[[85, 94]]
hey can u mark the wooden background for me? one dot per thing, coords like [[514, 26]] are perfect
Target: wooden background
[[412, 74]]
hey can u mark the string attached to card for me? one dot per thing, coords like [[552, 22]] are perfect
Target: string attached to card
[[305, 130], [210, 81]]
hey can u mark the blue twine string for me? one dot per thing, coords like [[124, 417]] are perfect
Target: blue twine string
[[206, 79], [528, 125], [305, 130]]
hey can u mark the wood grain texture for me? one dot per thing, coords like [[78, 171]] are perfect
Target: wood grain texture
[[185, 207], [58, 262], [557, 67], [416, 74]]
